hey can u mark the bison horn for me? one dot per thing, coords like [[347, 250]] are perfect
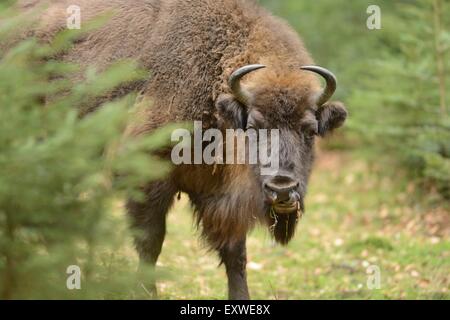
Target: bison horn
[[330, 79], [235, 82]]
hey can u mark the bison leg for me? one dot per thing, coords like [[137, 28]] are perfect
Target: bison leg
[[235, 260], [149, 222]]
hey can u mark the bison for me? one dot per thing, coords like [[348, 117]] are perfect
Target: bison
[[231, 65]]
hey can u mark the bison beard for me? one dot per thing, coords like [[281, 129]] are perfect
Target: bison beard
[[282, 226], [221, 230]]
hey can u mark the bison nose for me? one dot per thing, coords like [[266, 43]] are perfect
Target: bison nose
[[282, 189]]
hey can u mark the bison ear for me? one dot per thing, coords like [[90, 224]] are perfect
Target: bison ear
[[231, 113], [331, 116]]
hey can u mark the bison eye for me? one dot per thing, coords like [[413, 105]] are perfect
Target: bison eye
[[310, 129]]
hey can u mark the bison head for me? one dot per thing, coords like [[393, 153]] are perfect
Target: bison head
[[295, 104]]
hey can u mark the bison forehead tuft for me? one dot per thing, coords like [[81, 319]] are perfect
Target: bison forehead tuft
[[284, 97]]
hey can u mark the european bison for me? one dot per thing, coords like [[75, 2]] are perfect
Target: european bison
[[230, 64]]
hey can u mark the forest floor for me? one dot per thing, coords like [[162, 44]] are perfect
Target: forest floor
[[361, 218]]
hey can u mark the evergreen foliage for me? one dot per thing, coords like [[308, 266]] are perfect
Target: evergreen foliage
[[61, 175]]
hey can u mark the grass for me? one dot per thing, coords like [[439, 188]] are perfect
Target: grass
[[358, 215]]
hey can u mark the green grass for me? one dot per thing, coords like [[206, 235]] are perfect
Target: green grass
[[358, 215]]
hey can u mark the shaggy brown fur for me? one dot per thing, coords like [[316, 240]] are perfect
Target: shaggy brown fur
[[191, 47]]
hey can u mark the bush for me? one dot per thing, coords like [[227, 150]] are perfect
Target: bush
[[405, 107]]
